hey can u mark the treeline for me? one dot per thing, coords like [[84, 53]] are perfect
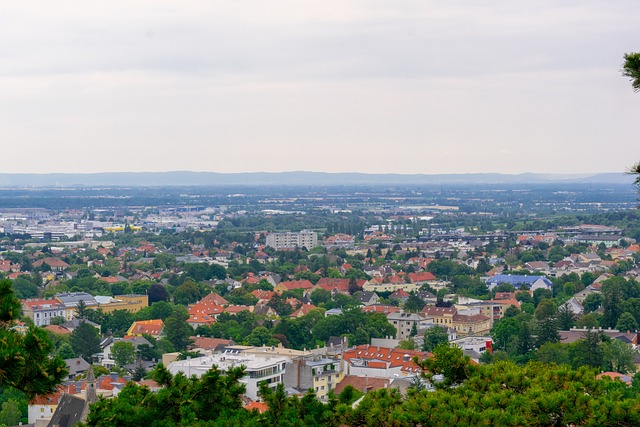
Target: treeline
[[500, 394]]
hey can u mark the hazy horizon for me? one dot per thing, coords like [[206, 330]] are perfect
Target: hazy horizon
[[410, 87]]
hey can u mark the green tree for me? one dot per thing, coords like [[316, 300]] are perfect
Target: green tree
[[565, 317], [85, 341], [10, 413], [182, 401], [24, 359], [553, 352], [414, 303], [448, 361], [627, 322], [24, 286], [177, 330], [546, 309], [617, 356], [82, 310], [587, 351], [435, 336], [118, 322], [631, 69], [260, 336], [320, 296], [66, 351], [547, 331], [123, 353], [157, 292], [186, 293], [612, 297]]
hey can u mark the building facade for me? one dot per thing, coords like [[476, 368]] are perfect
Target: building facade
[[306, 238], [41, 311]]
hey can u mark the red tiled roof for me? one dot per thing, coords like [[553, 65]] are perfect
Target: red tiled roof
[[57, 329], [234, 309], [329, 284], [438, 311], [51, 262], [400, 293], [151, 327], [364, 384], [296, 284], [215, 299], [384, 357], [304, 309], [377, 308], [209, 343], [36, 303], [422, 276], [258, 406], [263, 295]]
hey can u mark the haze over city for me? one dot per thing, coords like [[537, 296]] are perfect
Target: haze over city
[[375, 87]]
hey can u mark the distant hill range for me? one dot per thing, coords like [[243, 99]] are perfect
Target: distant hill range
[[164, 179]]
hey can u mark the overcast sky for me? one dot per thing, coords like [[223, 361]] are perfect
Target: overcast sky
[[337, 86]]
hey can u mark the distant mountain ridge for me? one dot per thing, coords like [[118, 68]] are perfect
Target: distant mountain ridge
[[183, 178]]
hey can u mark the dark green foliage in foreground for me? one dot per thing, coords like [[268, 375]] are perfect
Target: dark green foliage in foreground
[[213, 399], [24, 359], [499, 394]]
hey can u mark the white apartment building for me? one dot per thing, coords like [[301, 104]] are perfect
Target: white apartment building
[[257, 368], [41, 311], [306, 238]]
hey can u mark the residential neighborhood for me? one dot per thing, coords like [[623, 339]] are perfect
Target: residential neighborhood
[[122, 293]]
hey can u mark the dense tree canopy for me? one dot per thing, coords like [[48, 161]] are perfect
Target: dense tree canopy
[[24, 359], [631, 69]]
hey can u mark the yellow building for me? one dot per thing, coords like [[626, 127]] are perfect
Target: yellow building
[[463, 324], [132, 303]]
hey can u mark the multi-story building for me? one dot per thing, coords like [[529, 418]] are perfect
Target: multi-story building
[[257, 368], [41, 311], [132, 303], [306, 238], [70, 300], [315, 372], [464, 322], [381, 362], [405, 323]]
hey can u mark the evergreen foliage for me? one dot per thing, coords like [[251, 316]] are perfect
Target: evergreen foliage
[[24, 359]]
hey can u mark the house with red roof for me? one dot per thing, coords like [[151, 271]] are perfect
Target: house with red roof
[[6, 266], [400, 294], [152, 327], [256, 406], [363, 384], [304, 309], [382, 362], [379, 308], [262, 295], [203, 314], [215, 299], [207, 343], [56, 264], [235, 309], [291, 285], [41, 311], [422, 277]]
